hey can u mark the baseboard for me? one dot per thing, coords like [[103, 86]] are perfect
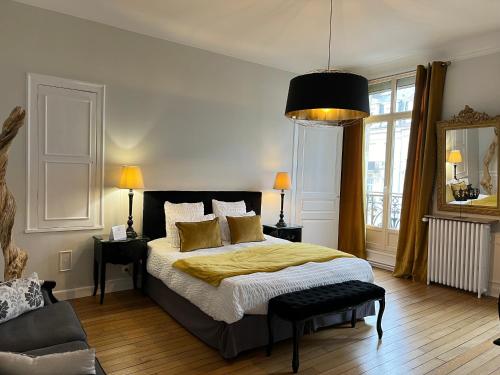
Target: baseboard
[[494, 289], [381, 259], [114, 285]]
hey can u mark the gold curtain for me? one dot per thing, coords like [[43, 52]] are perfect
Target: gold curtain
[[411, 259], [352, 212]]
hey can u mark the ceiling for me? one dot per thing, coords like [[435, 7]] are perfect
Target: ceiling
[[371, 37]]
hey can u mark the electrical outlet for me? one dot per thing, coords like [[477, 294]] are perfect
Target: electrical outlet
[[65, 260]]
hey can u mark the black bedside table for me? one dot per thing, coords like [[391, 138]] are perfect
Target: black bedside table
[[131, 250], [290, 233]]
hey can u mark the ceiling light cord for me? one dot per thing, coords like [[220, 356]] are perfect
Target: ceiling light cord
[[330, 36]]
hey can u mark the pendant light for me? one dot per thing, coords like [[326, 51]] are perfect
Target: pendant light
[[328, 97]]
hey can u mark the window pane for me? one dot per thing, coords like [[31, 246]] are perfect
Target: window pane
[[405, 90], [375, 146], [399, 154], [380, 102]]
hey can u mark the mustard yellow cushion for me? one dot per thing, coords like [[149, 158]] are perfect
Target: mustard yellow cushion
[[245, 229], [458, 186], [449, 194], [199, 235]]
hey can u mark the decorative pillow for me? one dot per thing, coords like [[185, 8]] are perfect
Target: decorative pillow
[[175, 212], [222, 209], [458, 186], [19, 296], [199, 235], [245, 229], [449, 194], [70, 363]]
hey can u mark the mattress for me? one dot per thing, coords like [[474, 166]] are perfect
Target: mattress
[[247, 294]]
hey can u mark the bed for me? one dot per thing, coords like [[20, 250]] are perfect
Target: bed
[[232, 317]]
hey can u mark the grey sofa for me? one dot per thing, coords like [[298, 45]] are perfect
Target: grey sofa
[[54, 328]]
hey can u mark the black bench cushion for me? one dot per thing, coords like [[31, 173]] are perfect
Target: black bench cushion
[[50, 325], [324, 299]]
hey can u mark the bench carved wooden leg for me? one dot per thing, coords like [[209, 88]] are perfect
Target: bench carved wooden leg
[[270, 342], [353, 318], [379, 318], [297, 331]]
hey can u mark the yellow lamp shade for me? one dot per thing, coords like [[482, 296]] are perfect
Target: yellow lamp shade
[[131, 178], [282, 181], [455, 157]]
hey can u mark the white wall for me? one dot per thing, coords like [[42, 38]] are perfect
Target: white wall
[[475, 82], [192, 119]]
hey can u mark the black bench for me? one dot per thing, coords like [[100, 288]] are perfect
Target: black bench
[[303, 305]]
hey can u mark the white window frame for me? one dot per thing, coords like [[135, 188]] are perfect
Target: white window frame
[[32, 170], [390, 118]]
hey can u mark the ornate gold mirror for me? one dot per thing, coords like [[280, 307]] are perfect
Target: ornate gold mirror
[[468, 163]]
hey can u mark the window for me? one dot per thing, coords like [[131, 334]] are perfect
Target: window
[[387, 132]]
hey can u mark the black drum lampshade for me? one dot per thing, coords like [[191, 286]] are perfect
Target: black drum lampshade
[[328, 97]]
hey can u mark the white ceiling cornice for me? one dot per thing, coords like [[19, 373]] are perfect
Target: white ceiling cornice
[[371, 37]]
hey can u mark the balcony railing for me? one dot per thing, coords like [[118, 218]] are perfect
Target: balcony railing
[[375, 210]]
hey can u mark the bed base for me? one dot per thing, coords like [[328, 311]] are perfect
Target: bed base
[[248, 333]]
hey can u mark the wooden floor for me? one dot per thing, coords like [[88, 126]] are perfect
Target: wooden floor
[[427, 330]]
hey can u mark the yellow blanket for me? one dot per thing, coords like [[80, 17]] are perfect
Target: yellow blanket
[[270, 258], [489, 201]]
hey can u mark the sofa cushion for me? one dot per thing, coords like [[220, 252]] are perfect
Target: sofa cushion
[[47, 326], [70, 346], [77, 362], [67, 347]]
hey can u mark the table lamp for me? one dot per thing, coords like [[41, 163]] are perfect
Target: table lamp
[[282, 182], [131, 178], [455, 157]]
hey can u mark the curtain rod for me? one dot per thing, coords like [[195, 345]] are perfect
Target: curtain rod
[[444, 63]]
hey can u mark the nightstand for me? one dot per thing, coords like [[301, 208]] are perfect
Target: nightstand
[[290, 233], [131, 250]]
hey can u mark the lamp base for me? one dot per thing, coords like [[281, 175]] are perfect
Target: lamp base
[[131, 233], [281, 224], [130, 222]]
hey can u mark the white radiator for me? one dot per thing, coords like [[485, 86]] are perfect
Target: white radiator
[[459, 253]]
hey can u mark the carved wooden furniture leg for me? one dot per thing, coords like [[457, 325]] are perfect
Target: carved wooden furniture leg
[[353, 318], [297, 332], [379, 318]]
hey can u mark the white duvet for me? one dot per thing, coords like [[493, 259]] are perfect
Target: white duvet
[[247, 294]]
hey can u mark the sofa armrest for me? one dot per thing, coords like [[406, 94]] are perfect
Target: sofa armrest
[[47, 287]]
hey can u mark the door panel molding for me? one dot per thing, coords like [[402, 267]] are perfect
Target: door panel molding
[[77, 115]]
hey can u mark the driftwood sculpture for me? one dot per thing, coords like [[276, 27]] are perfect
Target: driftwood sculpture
[[488, 157], [14, 257]]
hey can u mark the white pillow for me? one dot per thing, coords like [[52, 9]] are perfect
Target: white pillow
[[19, 296], [182, 212], [222, 209], [175, 212], [162, 244], [70, 363]]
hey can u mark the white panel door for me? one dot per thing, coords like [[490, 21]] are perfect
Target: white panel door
[[65, 138], [318, 162]]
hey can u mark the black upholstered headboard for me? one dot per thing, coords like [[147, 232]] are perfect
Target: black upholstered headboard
[[153, 215]]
